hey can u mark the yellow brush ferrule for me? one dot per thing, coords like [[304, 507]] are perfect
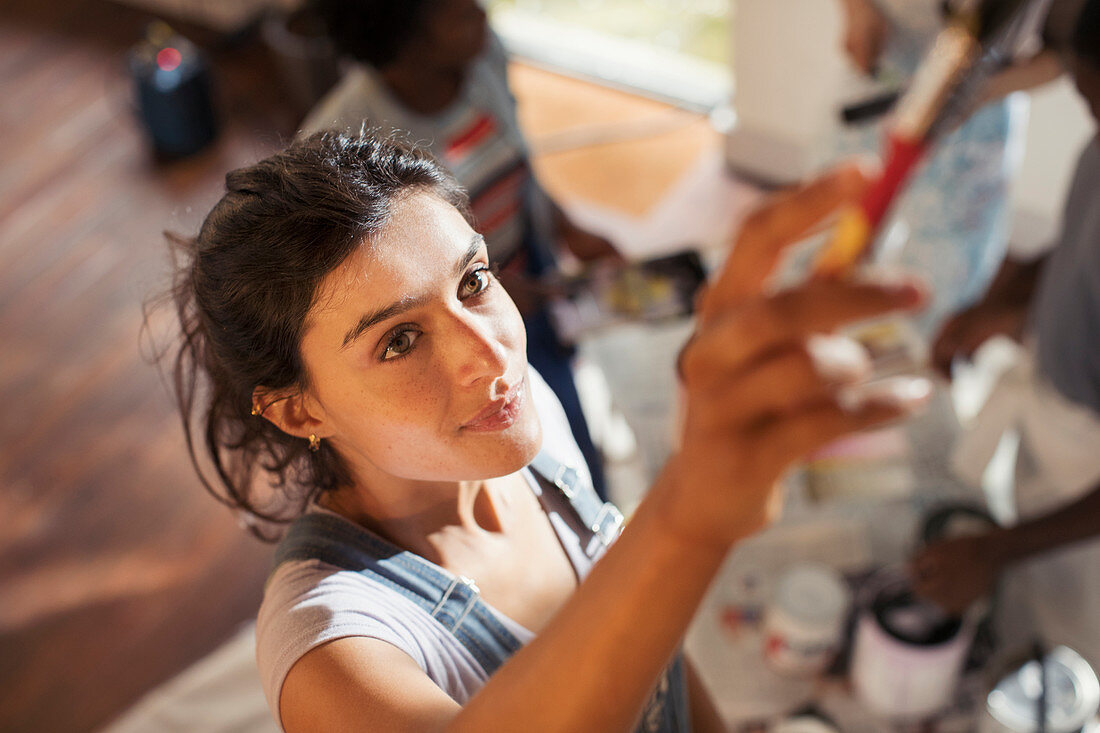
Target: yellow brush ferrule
[[849, 241]]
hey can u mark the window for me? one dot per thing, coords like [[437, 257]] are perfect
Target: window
[[678, 50]]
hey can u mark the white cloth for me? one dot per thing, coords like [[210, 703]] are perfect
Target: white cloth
[[1058, 462], [1061, 439], [308, 603]]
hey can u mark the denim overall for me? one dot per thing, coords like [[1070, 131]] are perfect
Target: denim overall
[[455, 601]]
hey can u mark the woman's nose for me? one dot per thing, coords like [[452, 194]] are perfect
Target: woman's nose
[[476, 351]]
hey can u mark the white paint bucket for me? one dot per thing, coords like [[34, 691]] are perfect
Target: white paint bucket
[[907, 655], [804, 623], [804, 724], [1065, 682]]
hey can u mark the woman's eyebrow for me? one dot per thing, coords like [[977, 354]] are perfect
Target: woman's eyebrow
[[371, 319], [408, 303], [476, 243]]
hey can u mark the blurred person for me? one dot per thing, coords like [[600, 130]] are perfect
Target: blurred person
[[353, 366], [434, 70], [1052, 398]]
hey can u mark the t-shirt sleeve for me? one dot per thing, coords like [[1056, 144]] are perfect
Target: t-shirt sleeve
[[308, 603], [349, 107]]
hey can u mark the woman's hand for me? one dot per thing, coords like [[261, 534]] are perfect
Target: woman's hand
[[865, 34], [757, 396]]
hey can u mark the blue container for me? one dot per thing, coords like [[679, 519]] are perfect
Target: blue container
[[173, 90]]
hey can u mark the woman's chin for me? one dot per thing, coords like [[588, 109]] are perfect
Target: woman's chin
[[502, 452], [520, 445], [522, 440]]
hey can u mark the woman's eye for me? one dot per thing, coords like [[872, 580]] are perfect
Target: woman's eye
[[475, 282], [400, 344]]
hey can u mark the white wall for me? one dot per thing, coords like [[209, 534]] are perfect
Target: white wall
[[787, 74], [1059, 126]]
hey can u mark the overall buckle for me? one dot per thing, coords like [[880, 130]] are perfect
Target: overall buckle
[[608, 524], [475, 593]]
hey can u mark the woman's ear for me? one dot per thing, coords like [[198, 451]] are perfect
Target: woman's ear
[[290, 410]]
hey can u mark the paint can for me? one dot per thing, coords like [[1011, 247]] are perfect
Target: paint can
[[907, 654], [804, 723], [1064, 686], [804, 622]]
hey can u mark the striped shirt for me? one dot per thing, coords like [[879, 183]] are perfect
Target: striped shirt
[[477, 137]]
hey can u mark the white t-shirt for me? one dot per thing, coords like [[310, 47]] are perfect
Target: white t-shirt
[[308, 602]]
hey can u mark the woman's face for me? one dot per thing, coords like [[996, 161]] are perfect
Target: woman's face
[[417, 357]]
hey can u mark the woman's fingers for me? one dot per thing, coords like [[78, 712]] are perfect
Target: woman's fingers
[[789, 438], [786, 219], [788, 380], [735, 340]]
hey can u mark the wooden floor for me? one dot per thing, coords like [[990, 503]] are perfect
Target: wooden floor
[[116, 569]]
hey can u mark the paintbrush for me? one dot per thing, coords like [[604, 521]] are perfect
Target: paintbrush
[[978, 40]]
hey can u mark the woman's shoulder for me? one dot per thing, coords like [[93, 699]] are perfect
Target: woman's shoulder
[[308, 603], [317, 597]]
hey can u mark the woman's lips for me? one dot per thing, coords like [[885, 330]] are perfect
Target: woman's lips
[[499, 414]]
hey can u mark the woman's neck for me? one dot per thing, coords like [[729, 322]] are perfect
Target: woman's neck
[[411, 513]]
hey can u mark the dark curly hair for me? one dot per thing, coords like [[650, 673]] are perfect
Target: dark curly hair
[[242, 290], [372, 31]]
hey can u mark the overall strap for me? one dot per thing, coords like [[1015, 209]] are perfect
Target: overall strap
[[454, 601], [667, 710], [602, 519]]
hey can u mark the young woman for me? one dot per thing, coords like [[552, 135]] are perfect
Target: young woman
[[357, 366]]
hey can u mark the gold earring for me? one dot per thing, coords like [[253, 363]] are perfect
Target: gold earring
[[256, 411], [314, 443]]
